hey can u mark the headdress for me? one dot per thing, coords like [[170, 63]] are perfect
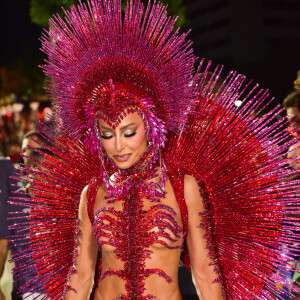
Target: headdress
[[105, 66]]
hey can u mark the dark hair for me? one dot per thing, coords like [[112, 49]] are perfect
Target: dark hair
[[36, 135], [292, 99], [34, 155], [29, 134]]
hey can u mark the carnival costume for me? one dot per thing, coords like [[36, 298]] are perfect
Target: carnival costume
[[105, 66]]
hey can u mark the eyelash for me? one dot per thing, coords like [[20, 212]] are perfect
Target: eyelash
[[130, 134], [126, 135], [106, 137]]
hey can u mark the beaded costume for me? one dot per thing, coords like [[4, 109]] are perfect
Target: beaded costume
[[105, 66]]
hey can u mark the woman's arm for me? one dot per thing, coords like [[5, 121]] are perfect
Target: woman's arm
[[83, 278], [203, 274]]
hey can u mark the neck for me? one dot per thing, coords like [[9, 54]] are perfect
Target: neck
[[148, 161], [148, 167]]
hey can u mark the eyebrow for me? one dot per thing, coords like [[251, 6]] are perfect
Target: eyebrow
[[122, 128]]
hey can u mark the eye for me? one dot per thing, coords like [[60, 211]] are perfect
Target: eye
[[106, 136], [129, 134]]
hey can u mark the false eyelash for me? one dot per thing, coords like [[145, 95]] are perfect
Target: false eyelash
[[106, 137], [130, 135]]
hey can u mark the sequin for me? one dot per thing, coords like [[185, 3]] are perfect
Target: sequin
[[130, 231]]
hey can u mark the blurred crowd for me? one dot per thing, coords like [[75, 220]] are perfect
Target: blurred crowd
[[18, 117]]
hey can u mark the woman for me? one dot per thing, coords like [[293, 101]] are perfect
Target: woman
[[177, 173], [123, 225]]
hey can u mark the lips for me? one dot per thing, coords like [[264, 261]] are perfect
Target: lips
[[122, 158]]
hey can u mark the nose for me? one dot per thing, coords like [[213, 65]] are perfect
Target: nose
[[119, 143]]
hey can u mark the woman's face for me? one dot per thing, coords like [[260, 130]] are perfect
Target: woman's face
[[125, 144]]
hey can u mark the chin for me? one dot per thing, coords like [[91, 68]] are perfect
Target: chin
[[124, 165]]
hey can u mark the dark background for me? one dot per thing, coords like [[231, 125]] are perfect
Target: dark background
[[258, 38]]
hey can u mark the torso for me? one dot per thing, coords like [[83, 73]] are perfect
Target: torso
[[140, 244]]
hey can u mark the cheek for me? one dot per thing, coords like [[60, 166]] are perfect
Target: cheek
[[139, 141], [107, 145]]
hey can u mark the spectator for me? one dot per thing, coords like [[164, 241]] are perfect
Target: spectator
[[7, 228], [29, 140], [292, 105], [7, 186], [297, 82], [33, 160]]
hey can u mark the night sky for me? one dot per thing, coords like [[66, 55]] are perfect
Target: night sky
[[18, 34]]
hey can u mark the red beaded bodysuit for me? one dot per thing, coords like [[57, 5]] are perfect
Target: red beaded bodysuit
[[131, 231], [104, 66]]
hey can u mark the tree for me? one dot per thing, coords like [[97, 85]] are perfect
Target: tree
[[22, 74], [41, 11]]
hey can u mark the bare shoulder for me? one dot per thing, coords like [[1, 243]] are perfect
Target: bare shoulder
[[83, 198], [84, 191], [189, 181], [191, 192], [101, 192]]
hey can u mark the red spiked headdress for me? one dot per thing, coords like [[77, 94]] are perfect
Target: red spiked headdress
[[103, 65]]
